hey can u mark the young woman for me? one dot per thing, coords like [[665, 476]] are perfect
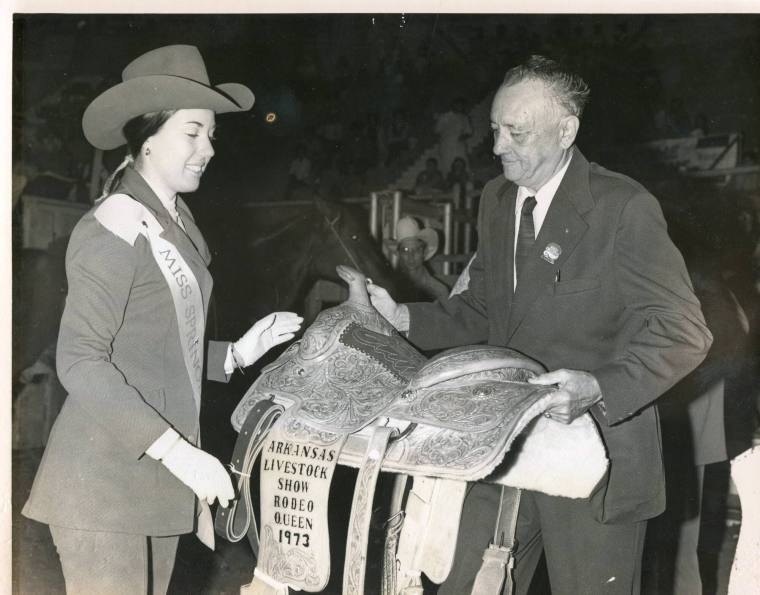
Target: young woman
[[123, 475]]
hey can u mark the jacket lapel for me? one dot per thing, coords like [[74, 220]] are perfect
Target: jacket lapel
[[192, 232], [564, 226], [502, 225]]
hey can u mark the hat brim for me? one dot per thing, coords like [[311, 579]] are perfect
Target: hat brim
[[430, 237], [105, 117]]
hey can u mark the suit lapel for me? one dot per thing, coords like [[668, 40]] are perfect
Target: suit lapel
[[564, 226], [502, 227]]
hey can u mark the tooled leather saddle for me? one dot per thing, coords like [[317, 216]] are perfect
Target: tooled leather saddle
[[354, 392]]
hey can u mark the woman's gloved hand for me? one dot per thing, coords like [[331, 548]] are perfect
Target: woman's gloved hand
[[271, 330], [200, 471]]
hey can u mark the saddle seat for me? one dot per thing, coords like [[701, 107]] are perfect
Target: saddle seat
[[457, 414]]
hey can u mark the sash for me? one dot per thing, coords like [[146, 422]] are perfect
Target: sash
[[188, 301], [188, 306], [126, 218]]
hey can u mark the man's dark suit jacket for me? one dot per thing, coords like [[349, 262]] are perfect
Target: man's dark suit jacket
[[618, 303]]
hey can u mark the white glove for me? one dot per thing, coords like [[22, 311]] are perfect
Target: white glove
[[271, 330], [199, 471], [396, 314]]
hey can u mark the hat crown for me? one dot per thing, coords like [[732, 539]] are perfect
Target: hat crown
[[175, 60], [407, 228]]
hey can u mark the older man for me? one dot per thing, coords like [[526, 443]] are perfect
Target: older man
[[575, 269]]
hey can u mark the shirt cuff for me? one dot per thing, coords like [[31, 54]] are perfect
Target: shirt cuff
[[163, 445], [601, 408], [229, 362]]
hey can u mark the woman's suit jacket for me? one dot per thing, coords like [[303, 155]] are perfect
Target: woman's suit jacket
[[120, 360], [617, 302]]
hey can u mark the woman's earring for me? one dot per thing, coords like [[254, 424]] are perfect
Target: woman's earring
[[147, 151]]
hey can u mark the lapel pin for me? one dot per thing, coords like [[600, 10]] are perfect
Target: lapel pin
[[551, 252]]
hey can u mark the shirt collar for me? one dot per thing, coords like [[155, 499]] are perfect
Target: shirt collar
[[545, 194]]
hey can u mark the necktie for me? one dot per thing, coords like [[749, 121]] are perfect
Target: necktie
[[525, 236]]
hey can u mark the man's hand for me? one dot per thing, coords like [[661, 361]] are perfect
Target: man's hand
[[271, 330], [396, 314], [200, 471], [576, 392]]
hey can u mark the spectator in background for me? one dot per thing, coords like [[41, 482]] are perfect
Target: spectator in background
[[673, 121], [397, 138], [373, 147], [415, 247], [453, 129], [694, 430], [329, 183], [22, 172], [701, 126], [429, 179], [459, 176], [299, 173], [332, 131]]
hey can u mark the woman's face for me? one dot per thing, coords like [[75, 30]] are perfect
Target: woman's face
[[179, 152]]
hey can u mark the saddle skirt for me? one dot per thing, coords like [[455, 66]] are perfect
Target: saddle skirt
[[455, 416]]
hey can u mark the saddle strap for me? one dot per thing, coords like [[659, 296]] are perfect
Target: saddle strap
[[429, 535], [393, 528], [495, 574], [237, 521], [355, 565]]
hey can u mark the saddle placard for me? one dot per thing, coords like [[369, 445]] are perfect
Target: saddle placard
[[297, 465]]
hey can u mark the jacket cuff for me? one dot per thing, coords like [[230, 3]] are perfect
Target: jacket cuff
[[216, 358], [163, 444]]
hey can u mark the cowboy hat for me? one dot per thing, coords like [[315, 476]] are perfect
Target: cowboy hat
[[171, 77], [407, 227]]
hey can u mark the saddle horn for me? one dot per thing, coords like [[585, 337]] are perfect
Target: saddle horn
[[357, 284]]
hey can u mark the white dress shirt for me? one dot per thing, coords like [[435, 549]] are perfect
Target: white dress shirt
[[544, 197]]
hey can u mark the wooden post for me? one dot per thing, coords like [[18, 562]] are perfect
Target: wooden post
[[373, 215], [447, 236], [468, 223]]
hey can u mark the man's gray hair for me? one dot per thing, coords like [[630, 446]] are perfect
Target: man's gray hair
[[569, 90]]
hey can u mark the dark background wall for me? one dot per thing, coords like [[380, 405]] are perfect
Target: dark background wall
[[310, 68]]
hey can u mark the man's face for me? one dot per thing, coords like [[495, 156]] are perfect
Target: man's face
[[411, 253], [528, 134]]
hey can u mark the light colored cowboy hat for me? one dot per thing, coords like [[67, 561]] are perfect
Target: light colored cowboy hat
[[171, 77], [407, 227]]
